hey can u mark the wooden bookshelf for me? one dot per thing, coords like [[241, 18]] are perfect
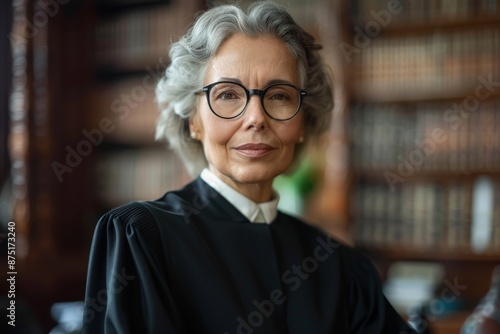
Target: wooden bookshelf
[[83, 87], [413, 172], [51, 75], [132, 40], [407, 89]]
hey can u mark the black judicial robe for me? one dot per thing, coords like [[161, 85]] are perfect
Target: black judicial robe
[[189, 262]]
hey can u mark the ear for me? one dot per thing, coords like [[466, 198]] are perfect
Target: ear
[[192, 126], [195, 126]]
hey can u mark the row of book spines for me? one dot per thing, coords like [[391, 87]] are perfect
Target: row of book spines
[[428, 60], [398, 233], [431, 215], [425, 9], [427, 136], [139, 175], [143, 36], [419, 238]]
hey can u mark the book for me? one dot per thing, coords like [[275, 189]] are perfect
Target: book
[[425, 138], [424, 10], [420, 215], [132, 40], [426, 66]]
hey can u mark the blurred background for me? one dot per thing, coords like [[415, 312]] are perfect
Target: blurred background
[[409, 172]]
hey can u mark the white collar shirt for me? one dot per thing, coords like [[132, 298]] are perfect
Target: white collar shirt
[[264, 212]]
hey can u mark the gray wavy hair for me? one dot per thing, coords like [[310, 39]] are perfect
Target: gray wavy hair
[[188, 62]]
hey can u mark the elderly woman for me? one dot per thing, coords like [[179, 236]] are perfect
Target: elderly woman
[[241, 96]]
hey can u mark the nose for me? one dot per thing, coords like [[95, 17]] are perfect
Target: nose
[[255, 116]]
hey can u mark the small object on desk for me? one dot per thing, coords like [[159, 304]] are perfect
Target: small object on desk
[[69, 317], [486, 316], [412, 283]]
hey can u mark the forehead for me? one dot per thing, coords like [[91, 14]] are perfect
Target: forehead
[[253, 60]]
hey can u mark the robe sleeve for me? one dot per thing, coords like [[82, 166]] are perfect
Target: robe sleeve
[[370, 310], [127, 289]]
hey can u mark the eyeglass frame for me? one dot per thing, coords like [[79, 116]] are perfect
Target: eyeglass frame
[[249, 92]]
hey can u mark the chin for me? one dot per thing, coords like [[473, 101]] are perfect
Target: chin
[[256, 174]]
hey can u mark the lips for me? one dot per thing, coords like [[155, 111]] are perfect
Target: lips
[[254, 150]]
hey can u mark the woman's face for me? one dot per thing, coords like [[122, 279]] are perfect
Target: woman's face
[[252, 148]]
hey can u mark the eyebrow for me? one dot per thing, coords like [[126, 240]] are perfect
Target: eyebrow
[[269, 83]]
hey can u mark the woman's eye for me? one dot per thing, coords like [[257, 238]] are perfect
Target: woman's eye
[[227, 96], [279, 96]]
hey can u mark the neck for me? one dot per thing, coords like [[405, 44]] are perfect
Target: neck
[[258, 192]]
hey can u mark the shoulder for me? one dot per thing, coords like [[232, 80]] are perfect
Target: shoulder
[[129, 212], [135, 213], [127, 223], [149, 220]]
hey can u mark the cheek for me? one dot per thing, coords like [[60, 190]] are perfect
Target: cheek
[[217, 136], [289, 133], [218, 133], [213, 131]]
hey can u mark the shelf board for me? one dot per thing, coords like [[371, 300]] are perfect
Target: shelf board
[[423, 25], [143, 136], [382, 95], [378, 174], [116, 72], [111, 7], [421, 254]]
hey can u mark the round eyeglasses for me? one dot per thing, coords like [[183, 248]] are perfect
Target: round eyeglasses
[[229, 99]]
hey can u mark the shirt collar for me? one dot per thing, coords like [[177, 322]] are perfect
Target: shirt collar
[[255, 212]]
